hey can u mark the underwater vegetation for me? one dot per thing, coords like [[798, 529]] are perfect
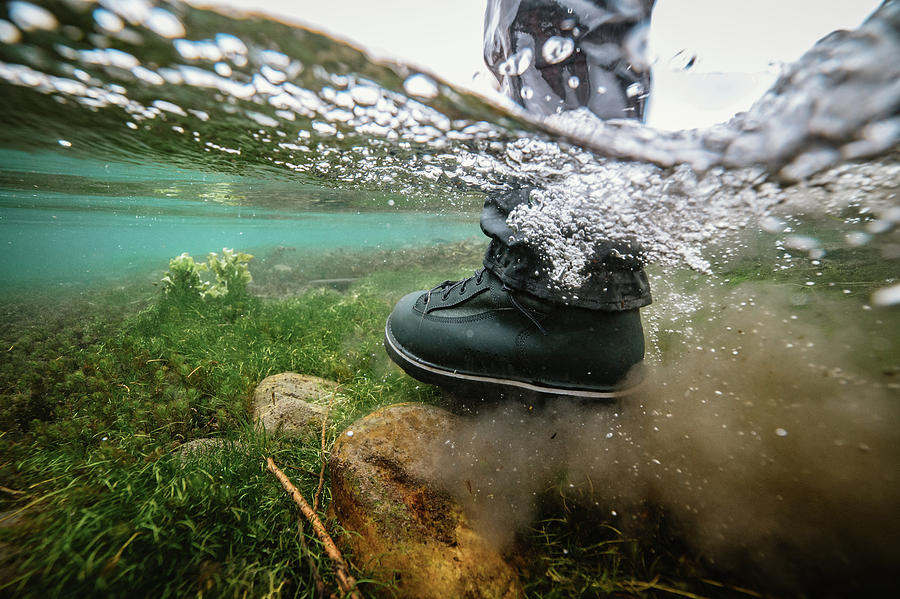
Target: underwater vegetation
[[231, 271], [96, 500]]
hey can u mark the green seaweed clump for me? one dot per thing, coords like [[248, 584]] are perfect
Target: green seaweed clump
[[182, 280], [232, 275]]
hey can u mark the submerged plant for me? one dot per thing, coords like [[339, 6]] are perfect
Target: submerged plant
[[182, 280], [231, 270], [232, 273]]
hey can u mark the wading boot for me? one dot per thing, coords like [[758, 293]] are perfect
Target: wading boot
[[478, 332]]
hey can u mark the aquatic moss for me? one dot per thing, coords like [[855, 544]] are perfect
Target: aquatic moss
[[96, 400], [103, 507]]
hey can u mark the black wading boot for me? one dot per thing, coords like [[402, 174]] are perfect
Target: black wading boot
[[478, 332]]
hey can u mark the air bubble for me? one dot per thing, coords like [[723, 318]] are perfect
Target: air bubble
[[365, 95], [801, 242], [556, 49], [421, 85], [886, 296], [108, 21], [517, 63], [9, 34], [223, 69], [30, 17], [164, 24], [879, 226], [773, 225]]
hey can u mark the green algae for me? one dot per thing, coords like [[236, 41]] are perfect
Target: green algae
[[98, 397], [98, 394], [97, 400]]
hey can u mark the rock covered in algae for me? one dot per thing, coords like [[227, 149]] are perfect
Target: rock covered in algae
[[402, 526], [292, 404]]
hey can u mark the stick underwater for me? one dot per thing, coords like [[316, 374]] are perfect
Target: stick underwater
[[346, 582]]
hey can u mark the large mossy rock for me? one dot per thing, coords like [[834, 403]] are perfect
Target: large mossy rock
[[292, 404], [402, 526]]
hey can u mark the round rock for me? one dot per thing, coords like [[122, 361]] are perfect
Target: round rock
[[292, 404], [403, 527]]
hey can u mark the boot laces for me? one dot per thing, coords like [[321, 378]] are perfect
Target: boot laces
[[448, 286], [523, 309]]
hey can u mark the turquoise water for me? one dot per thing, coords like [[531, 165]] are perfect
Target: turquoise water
[[121, 149], [108, 237], [55, 238]]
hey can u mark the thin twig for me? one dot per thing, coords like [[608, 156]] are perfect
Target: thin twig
[[346, 582], [322, 470], [321, 589]]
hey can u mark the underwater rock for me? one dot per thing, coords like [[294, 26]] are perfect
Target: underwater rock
[[403, 527], [292, 404]]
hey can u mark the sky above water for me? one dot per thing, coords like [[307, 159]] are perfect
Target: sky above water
[[739, 45]]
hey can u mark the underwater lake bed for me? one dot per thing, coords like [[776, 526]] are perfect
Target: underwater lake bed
[[98, 399], [759, 458]]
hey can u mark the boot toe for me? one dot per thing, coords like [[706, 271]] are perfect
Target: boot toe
[[403, 326]]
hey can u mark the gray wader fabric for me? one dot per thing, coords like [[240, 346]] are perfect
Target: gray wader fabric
[[571, 53], [557, 55]]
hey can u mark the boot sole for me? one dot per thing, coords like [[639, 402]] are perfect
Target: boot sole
[[430, 373]]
